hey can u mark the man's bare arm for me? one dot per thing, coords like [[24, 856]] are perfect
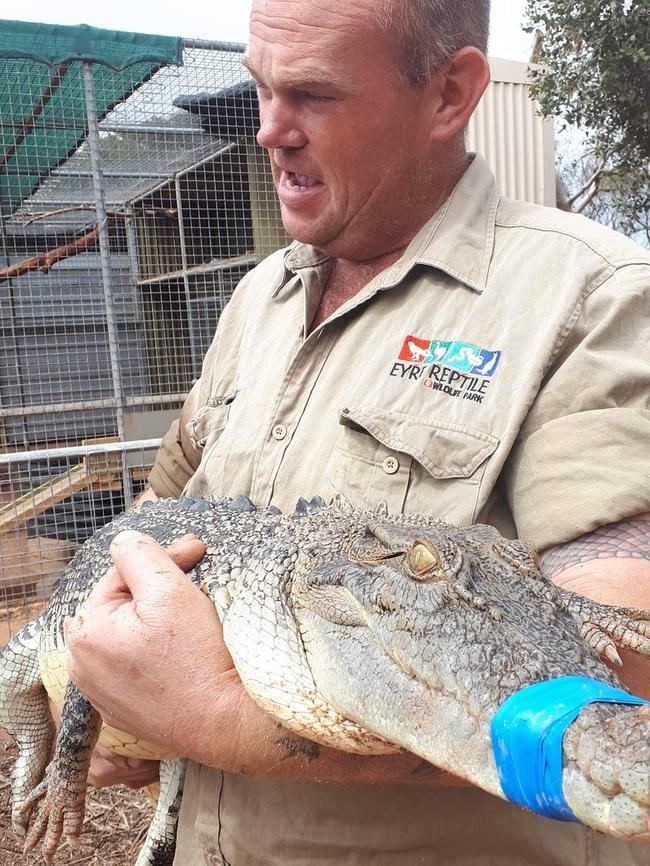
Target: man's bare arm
[[611, 565]]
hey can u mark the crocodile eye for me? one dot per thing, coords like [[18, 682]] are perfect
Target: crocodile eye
[[422, 559]]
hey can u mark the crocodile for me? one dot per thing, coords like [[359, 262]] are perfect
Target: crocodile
[[360, 630]]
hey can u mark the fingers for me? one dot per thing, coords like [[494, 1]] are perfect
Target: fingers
[[187, 551], [107, 768], [142, 563]]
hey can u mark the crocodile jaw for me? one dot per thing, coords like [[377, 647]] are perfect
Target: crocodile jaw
[[432, 681], [421, 716]]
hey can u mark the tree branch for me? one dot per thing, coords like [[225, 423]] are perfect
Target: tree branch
[[46, 261], [594, 179]]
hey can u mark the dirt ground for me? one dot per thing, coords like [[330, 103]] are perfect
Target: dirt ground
[[116, 824], [14, 618]]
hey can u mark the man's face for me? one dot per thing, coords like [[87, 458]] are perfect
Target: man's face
[[348, 142]]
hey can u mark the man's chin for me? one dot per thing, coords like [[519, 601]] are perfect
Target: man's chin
[[306, 232]]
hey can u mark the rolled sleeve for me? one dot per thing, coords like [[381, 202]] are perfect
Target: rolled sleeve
[[178, 457], [177, 460], [582, 459]]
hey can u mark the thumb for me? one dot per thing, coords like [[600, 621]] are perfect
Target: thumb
[[145, 567]]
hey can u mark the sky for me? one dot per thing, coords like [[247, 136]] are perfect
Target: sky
[[226, 20]]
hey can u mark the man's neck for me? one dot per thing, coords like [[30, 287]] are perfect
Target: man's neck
[[346, 279]]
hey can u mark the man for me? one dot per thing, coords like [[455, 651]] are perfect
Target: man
[[427, 343]]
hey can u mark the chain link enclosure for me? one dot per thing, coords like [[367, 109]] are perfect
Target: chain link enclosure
[[133, 198]]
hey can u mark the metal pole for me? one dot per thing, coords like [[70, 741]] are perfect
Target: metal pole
[[81, 451], [104, 252], [82, 405], [186, 280], [134, 265], [13, 339], [211, 45]]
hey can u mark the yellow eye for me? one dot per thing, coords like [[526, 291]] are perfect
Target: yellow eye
[[422, 559]]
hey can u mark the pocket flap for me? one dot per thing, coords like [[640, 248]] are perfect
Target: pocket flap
[[445, 450], [210, 419]]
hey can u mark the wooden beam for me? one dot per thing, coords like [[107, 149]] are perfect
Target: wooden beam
[[19, 511]]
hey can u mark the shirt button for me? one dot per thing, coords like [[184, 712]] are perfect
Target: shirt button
[[279, 432], [390, 465], [215, 860]]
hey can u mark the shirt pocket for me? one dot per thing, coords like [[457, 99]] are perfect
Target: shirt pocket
[[412, 464], [206, 426]]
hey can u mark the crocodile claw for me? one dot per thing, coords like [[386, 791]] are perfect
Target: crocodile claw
[[604, 627], [59, 812]]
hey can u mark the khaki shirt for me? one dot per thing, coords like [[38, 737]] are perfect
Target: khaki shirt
[[498, 372]]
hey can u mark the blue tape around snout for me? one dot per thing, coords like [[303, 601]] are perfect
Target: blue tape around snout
[[527, 732]]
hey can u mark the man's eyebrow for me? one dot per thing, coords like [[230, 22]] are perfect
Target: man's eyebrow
[[304, 76]]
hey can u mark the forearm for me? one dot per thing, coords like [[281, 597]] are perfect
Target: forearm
[[258, 745], [612, 566]]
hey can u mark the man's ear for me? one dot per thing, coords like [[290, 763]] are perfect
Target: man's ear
[[460, 87]]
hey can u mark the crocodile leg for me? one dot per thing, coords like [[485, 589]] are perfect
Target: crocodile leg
[[61, 796], [25, 714], [605, 627], [159, 846]]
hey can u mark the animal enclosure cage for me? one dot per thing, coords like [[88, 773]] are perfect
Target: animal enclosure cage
[[133, 198]]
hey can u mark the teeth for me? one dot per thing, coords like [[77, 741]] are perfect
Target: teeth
[[300, 181]]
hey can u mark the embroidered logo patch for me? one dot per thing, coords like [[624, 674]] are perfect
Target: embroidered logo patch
[[415, 350], [458, 369]]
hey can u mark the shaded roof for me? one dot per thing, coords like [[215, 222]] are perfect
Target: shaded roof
[[229, 113], [42, 99]]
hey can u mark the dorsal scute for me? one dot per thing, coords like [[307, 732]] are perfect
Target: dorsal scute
[[241, 503]]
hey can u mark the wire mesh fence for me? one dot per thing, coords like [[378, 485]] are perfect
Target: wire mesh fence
[[131, 204]]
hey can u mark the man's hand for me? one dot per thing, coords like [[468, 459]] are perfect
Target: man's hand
[[146, 646]]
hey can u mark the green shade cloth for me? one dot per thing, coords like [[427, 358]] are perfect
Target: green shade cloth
[[42, 100]]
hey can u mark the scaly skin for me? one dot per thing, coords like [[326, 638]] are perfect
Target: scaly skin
[[359, 630], [443, 650]]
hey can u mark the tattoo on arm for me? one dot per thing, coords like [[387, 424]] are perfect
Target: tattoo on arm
[[293, 746], [629, 539]]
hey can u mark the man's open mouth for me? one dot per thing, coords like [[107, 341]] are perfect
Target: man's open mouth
[[301, 181]]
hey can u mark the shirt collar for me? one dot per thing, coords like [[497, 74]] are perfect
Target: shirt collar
[[458, 239]]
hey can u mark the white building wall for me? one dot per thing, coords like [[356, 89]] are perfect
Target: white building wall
[[516, 142]]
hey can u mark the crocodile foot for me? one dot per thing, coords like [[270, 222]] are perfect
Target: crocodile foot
[[58, 811], [605, 627]]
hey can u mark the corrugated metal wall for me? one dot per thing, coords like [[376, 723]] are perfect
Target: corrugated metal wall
[[517, 143]]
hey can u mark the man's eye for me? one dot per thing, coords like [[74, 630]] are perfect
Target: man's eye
[[315, 97]]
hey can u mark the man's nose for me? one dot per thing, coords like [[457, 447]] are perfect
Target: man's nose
[[279, 126]]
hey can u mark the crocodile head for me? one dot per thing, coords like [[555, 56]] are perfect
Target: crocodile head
[[420, 633]]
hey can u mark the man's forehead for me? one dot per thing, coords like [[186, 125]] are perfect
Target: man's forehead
[[325, 17], [301, 42]]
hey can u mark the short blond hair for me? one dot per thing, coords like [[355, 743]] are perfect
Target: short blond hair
[[430, 32]]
